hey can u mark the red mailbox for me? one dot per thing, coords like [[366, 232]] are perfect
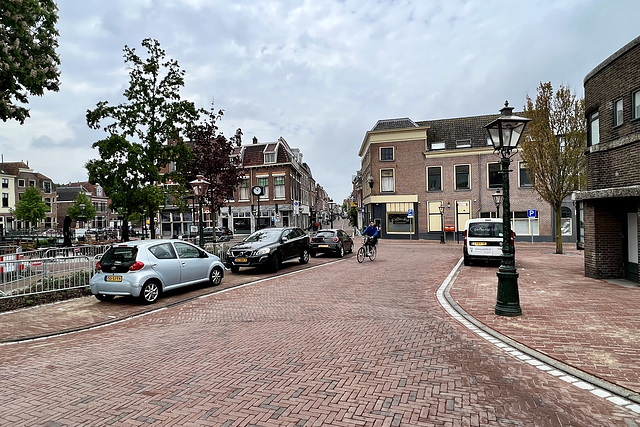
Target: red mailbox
[[449, 228]]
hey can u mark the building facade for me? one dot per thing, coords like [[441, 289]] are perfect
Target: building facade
[[409, 170], [66, 197], [611, 202], [16, 178]]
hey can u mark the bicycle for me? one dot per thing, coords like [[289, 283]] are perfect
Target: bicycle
[[362, 252]]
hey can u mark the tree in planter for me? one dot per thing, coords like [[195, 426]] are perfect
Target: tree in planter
[[82, 209], [150, 124], [28, 55], [211, 157], [554, 147], [31, 208]]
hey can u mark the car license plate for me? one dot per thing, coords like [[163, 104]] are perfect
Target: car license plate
[[479, 243], [240, 260], [113, 278], [323, 246]]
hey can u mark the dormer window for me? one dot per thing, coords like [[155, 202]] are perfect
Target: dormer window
[[463, 143], [270, 157]]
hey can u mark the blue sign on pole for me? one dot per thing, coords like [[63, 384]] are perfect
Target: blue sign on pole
[[531, 213], [410, 213]]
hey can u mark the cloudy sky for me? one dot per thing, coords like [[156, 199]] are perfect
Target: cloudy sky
[[319, 73]]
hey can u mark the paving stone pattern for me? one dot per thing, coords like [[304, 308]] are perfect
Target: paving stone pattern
[[340, 344]]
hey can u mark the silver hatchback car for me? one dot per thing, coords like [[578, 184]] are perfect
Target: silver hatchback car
[[146, 268]]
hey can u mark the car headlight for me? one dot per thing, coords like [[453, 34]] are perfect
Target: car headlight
[[263, 251]]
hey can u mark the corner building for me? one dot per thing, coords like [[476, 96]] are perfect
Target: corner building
[[611, 201], [417, 167]]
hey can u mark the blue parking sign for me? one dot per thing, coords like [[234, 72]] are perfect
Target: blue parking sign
[[531, 213], [410, 213]]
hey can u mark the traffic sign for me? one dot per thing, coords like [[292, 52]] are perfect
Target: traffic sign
[[531, 213], [410, 213]]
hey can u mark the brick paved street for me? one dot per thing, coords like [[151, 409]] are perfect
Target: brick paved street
[[340, 344]]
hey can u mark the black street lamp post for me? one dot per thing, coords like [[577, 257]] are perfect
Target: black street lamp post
[[497, 200], [200, 187], [505, 133], [441, 209]]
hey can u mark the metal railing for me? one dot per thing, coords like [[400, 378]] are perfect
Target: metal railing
[[47, 270]]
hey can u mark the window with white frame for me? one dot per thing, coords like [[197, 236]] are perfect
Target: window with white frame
[[5, 200], [32, 183], [387, 184], [463, 177], [46, 186], [263, 181], [618, 111], [594, 128], [566, 222], [278, 187], [493, 175], [437, 145], [463, 143], [386, 154], [523, 225], [5, 183], [523, 175], [21, 183], [243, 189], [434, 178], [636, 104], [270, 157]]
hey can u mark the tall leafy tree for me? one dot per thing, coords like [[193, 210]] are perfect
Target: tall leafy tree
[[211, 158], [28, 58], [82, 209], [153, 116], [31, 207], [554, 146]]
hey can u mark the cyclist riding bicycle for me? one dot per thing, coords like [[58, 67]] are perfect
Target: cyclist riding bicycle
[[372, 232]]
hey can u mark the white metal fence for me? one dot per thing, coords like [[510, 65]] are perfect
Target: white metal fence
[[47, 270]]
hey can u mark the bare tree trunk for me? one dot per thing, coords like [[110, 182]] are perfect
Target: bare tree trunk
[[558, 216]]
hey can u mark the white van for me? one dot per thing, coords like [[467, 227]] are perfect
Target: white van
[[483, 240]]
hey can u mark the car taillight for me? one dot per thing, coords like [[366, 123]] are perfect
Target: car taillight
[[465, 237], [136, 266], [335, 240], [98, 266], [513, 239]]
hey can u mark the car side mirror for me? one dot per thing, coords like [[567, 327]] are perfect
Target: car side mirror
[[284, 239]]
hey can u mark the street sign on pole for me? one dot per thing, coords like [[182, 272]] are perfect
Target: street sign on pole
[[531, 213], [296, 207], [410, 213]]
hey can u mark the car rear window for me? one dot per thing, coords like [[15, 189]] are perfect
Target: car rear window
[[485, 229], [119, 255], [325, 234]]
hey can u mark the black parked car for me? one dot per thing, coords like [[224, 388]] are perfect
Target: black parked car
[[269, 247], [331, 241]]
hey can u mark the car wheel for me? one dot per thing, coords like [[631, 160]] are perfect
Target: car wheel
[[304, 257], [341, 251], [275, 263], [150, 292], [466, 260], [215, 277], [103, 297], [235, 269]]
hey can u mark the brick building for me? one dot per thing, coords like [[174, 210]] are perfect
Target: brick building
[[16, 178], [66, 197], [420, 166], [611, 201]]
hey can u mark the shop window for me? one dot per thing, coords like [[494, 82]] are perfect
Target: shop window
[[566, 222]]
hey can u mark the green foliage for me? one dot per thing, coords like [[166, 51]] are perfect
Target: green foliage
[[554, 147], [31, 207], [144, 134], [82, 209], [28, 58], [211, 158], [353, 216]]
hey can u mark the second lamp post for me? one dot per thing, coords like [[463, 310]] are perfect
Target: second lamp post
[[200, 187]]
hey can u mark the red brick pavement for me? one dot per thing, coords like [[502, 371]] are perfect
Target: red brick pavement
[[342, 344], [590, 324]]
